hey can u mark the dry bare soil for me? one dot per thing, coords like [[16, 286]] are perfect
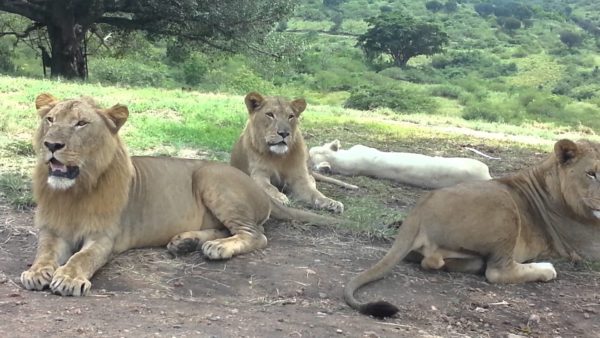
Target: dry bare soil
[[292, 288]]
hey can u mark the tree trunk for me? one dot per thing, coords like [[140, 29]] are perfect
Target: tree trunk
[[66, 36]]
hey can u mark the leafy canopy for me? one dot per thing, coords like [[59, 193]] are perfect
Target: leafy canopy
[[401, 37]]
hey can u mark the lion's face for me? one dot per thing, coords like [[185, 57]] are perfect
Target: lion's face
[[320, 156], [579, 175], [274, 121], [75, 139]]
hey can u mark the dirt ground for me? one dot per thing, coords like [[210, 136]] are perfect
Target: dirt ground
[[292, 289]]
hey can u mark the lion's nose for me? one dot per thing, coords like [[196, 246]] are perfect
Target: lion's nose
[[54, 146], [283, 134]]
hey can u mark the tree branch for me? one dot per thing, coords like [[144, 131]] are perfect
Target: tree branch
[[24, 8], [25, 33]]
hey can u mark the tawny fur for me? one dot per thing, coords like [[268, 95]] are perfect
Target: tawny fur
[[414, 169], [495, 226], [272, 151], [116, 203]]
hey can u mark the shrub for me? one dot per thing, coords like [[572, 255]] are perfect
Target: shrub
[[412, 74], [6, 64], [450, 6], [482, 111], [130, 72], [194, 69], [395, 98], [447, 91], [484, 9], [434, 6], [512, 24], [570, 39]]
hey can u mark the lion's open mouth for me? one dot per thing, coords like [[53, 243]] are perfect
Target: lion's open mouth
[[280, 143], [58, 169]]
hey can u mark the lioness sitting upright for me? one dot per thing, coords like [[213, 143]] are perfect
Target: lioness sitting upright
[[94, 201], [551, 209], [272, 151]]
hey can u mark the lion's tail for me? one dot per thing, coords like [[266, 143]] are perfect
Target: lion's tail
[[401, 247], [282, 212]]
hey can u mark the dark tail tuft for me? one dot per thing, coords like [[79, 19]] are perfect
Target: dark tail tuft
[[379, 309]]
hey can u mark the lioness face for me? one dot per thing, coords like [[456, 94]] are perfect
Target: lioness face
[[75, 138], [275, 120], [580, 176], [320, 156]]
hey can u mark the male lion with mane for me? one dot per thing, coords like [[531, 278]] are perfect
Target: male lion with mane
[[272, 151], [499, 226], [95, 201]]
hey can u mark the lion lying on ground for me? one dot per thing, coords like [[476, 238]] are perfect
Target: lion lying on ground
[[272, 151], [95, 201], [415, 169], [551, 209]]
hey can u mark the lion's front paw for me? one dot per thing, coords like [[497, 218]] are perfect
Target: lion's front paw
[[281, 198], [329, 204], [37, 278], [66, 283], [217, 250], [182, 245], [546, 271]]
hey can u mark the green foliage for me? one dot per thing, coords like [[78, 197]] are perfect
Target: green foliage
[[482, 111], [16, 189], [194, 69], [393, 97], [434, 6], [401, 37], [450, 6], [7, 65], [570, 39], [511, 24], [130, 72], [484, 9], [447, 91]]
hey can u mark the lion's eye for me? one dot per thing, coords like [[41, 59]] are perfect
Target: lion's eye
[[270, 115], [291, 116], [50, 119], [591, 174], [81, 123]]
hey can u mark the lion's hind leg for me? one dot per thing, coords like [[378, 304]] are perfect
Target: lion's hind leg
[[514, 272], [191, 241], [238, 204]]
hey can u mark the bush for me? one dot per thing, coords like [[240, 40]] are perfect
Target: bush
[[395, 98], [482, 111], [194, 69], [447, 91], [484, 9], [412, 74], [541, 104], [434, 6], [512, 24], [6, 64], [570, 39], [129, 72], [450, 6]]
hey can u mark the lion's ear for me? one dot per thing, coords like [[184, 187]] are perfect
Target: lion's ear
[[335, 145], [117, 114], [565, 150], [253, 101], [44, 99], [298, 106]]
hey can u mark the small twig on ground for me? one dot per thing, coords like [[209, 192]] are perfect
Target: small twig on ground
[[482, 154]]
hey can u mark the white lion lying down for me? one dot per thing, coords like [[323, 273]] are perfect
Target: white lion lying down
[[415, 169]]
